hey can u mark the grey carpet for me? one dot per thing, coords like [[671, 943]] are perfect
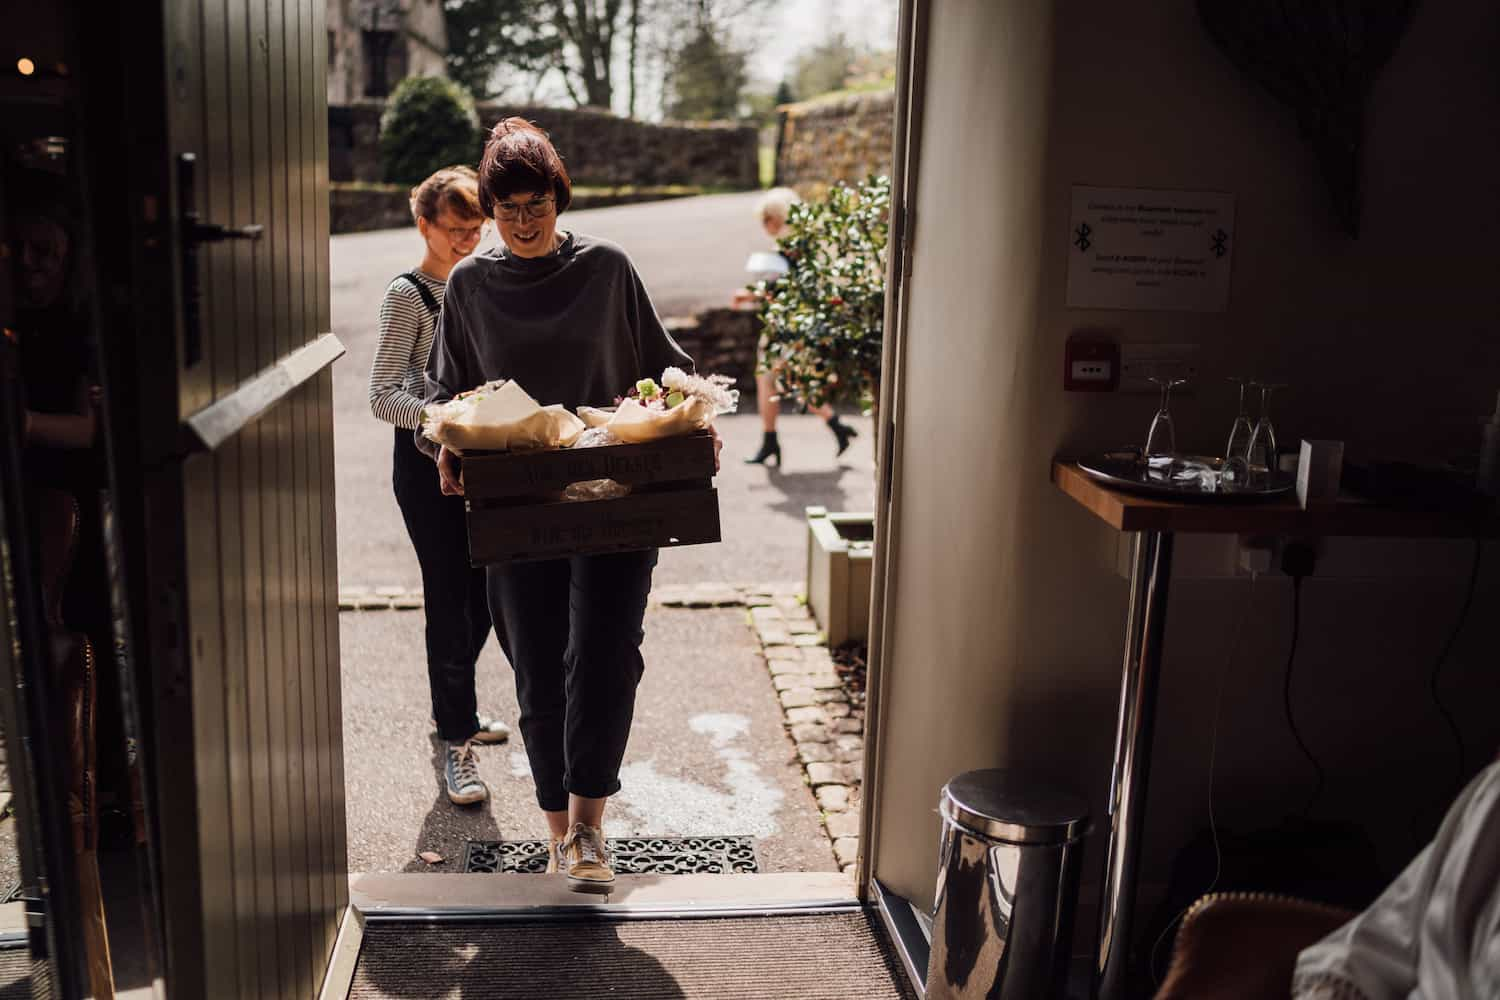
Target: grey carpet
[[813, 957]]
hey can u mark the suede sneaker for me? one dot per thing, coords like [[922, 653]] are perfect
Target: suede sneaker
[[461, 775], [584, 856], [554, 855], [491, 731]]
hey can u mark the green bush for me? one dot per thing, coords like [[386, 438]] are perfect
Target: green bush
[[429, 123], [824, 319]]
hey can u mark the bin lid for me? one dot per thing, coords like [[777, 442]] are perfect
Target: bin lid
[[1014, 806]]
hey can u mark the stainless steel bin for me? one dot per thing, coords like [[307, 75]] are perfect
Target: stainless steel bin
[[1007, 886]]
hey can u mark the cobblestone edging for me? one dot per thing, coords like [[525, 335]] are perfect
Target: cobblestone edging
[[824, 722]]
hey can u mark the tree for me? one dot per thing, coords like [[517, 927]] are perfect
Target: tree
[[598, 49], [633, 53], [706, 79], [488, 37], [428, 123], [823, 68], [575, 38], [588, 28]]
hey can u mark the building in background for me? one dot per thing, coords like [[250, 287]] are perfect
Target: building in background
[[374, 44]]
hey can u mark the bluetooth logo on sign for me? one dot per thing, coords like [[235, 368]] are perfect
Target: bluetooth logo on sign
[[1081, 237], [1220, 238]]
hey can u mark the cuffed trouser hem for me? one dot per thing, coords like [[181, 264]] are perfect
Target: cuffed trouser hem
[[460, 733], [552, 802], [594, 789]]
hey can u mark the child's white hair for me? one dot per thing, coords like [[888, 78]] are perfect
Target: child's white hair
[[778, 202]]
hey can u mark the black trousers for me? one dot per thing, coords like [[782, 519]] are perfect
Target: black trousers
[[453, 593], [572, 630]]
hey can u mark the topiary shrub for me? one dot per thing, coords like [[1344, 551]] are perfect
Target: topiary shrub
[[824, 319], [429, 123]]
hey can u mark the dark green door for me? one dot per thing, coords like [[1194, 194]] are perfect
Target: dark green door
[[234, 451]]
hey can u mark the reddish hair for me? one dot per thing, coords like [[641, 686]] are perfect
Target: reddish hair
[[454, 188], [518, 157]]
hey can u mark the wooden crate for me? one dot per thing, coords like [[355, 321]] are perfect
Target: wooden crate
[[515, 514]]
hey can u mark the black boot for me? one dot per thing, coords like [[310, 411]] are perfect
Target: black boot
[[843, 432], [769, 448]]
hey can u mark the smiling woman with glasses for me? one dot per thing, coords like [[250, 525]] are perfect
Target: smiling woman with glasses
[[567, 317], [445, 208]]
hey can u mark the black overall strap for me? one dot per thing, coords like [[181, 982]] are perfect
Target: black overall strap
[[422, 290]]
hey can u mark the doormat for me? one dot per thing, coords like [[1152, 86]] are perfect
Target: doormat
[[832, 956], [631, 856]]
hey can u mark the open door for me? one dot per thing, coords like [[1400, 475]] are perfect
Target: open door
[[211, 115]]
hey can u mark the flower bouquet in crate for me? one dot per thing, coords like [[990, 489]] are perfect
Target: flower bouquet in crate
[[646, 466]]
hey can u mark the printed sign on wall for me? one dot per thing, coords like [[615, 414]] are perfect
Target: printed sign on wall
[[1131, 248]]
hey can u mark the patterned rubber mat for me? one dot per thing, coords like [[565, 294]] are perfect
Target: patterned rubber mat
[[631, 855]]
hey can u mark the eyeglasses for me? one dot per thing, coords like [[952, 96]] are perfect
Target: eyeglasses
[[537, 208], [464, 234]]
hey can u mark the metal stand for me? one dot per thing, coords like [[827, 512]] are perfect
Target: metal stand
[[1150, 574]]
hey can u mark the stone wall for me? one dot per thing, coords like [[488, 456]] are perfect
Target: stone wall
[[722, 342], [604, 149], [356, 207], [839, 138], [599, 148], [354, 141]]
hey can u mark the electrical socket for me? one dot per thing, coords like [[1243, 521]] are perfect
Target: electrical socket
[[1257, 554], [1139, 363], [1091, 371]]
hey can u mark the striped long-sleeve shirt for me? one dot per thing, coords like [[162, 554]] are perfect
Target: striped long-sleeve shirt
[[406, 329]]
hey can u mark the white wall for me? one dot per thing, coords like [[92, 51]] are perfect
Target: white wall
[[1006, 619]]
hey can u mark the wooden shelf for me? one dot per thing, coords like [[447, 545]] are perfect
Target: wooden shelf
[[1132, 512]]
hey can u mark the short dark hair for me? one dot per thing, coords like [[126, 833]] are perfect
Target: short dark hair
[[518, 157]]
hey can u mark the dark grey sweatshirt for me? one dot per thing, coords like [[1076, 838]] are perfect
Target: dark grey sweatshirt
[[575, 327]]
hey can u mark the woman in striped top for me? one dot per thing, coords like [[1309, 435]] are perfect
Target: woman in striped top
[[446, 209]]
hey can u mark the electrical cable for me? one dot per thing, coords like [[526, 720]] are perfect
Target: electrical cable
[[1286, 697], [1442, 660], [1433, 679], [1213, 757]]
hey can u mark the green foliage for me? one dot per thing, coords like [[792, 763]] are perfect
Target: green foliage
[[822, 68], [766, 153], [429, 123], [758, 108], [824, 319], [491, 41], [706, 79]]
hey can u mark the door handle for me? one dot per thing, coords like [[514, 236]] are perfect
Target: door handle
[[194, 233], [212, 232]]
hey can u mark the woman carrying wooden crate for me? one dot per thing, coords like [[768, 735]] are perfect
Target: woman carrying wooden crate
[[568, 318]]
